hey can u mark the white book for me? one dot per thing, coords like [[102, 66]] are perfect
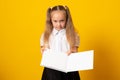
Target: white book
[[63, 62]]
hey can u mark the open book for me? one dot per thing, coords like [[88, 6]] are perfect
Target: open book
[[63, 62]]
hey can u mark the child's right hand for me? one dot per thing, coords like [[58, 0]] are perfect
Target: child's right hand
[[43, 48]]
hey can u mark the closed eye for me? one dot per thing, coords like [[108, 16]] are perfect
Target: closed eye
[[61, 20], [54, 20]]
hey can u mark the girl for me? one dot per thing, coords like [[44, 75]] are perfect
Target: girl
[[59, 36]]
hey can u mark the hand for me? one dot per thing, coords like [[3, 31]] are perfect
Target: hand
[[43, 49], [68, 52], [72, 50]]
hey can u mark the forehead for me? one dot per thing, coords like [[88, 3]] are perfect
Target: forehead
[[58, 13]]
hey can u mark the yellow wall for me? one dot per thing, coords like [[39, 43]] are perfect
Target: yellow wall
[[22, 22]]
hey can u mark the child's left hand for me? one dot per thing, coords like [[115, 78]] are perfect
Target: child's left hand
[[68, 52], [72, 50]]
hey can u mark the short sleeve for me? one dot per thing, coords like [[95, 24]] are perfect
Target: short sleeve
[[42, 40], [77, 40]]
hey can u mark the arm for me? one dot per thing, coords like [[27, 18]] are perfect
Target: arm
[[75, 48], [43, 46]]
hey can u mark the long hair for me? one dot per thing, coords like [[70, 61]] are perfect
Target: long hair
[[70, 31]]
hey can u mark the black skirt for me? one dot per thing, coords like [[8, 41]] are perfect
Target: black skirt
[[50, 74]]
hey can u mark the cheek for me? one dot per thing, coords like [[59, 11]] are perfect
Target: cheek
[[63, 24], [53, 24]]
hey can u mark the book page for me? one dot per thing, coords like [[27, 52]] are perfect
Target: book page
[[57, 61], [80, 61]]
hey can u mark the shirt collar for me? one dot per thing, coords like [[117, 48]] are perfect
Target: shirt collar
[[55, 32]]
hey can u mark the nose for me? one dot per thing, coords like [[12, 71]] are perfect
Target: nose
[[58, 24]]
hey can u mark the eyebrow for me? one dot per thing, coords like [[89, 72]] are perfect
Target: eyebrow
[[58, 20]]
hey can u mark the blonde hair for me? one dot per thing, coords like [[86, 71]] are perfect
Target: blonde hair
[[70, 31]]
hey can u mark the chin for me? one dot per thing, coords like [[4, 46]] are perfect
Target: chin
[[59, 29]]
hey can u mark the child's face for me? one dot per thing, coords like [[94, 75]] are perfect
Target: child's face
[[58, 19]]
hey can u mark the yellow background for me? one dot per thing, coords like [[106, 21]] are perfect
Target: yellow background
[[21, 25]]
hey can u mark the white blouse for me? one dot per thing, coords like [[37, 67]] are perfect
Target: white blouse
[[58, 41]]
